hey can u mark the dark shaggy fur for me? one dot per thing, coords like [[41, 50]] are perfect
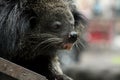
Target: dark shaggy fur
[[31, 31]]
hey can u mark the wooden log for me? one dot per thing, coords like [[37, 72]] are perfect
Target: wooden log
[[11, 71]]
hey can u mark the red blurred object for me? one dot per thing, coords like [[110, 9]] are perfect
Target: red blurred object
[[100, 31], [98, 36]]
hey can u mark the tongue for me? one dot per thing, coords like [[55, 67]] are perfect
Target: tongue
[[67, 46]]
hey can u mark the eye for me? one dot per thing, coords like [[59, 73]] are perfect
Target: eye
[[56, 26]]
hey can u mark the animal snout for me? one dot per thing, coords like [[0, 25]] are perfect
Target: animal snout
[[73, 36]]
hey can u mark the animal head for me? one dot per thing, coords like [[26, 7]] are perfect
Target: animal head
[[39, 26], [54, 19]]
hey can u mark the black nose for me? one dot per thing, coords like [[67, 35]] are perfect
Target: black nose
[[73, 36]]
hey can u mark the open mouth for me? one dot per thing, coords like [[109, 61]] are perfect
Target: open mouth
[[67, 46]]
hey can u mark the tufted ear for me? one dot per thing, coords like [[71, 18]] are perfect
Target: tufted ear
[[80, 19]]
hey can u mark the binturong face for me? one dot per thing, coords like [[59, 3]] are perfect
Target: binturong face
[[52, 27]]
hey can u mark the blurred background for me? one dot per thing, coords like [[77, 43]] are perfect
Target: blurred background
[[100, 60]]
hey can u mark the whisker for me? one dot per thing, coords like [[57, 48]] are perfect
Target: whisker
[[79, 44], [49, 42]]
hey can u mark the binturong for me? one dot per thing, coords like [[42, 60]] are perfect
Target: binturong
[[32, 31]]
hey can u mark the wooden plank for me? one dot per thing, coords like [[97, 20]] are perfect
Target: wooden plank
[[18, 72]]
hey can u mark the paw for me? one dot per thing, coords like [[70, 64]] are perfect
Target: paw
[[62, 77]]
